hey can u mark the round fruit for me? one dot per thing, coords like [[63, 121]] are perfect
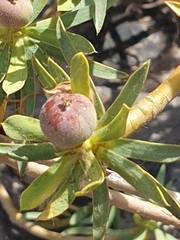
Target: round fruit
[[15, 14], [67, 120]]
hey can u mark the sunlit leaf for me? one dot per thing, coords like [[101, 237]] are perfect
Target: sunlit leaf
[[67, 5], [46, 80], [27, 94], [174, 5], [65, 44], [113, 130], [139, 179], [57, 72], [146, 151], [5, 55], [17, 70], [25, 128], [28, 152], [47, 183], [37, 7], [100, 211], [64, 196], [128, 94], [94, 173], [75, 18], [99, 13], [79, 74], [98, 104], [133, 174], [81, 44], [3, 104], [102, 71]]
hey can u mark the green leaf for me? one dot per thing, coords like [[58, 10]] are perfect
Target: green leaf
[[102, 71], [146, 151], [67, 5], [139, 179], [99, 7], [128, 94], [27, 93], [37, 7], [85, 9], [94, 173], [81, 44], [5, 55], [113, 130], [17, 70], [79, 74], [21, 168], [3, 104], [133, 174], [100, 211], [28, 152], [81, 214], [64, 196], [24, 128], [65, 44], [57, 72], [46, 80], [98, 104], [47, 183]]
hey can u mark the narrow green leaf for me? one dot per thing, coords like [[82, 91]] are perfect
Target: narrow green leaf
[[98, 104], [24, 128], [146, 151], [79, 216], [65, 44], [28, 152], [94, 173], [174, 5], [100, 211], [27, 93], [37, 7], [102, 71], [57, 72], [128, 94], [67, 5], [21, 168], [139, 179], [5, 54], [17, 70], [3, 104], [113, 130], [99, 7], [46, 80], [79, 74], [81, 44], [75, 18], [64, 196], [47, 183], [133, 174]]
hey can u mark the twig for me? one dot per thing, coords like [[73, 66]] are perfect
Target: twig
[[120, 200], [18, 219]]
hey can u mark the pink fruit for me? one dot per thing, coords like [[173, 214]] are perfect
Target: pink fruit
[[15, 14], [67, 120]]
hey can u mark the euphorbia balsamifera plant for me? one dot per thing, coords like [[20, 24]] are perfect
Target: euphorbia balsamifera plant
[[15, 14], [67, 120]]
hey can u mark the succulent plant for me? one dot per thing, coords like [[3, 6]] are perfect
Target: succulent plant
[[67, 120], [15, 14]]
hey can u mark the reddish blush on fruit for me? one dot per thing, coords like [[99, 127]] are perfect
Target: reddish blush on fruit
[[15, 14], [67, 120]]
